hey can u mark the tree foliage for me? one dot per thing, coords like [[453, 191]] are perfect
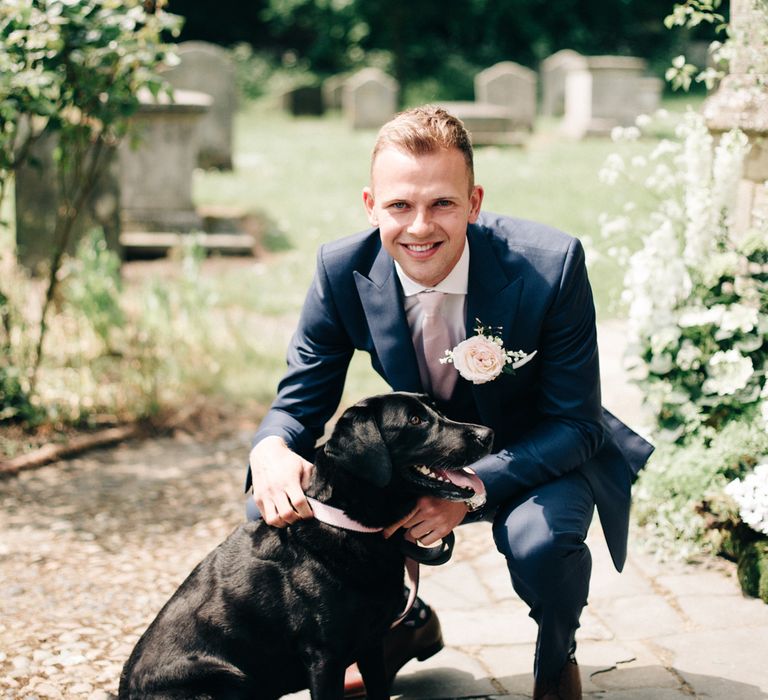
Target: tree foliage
[[432, 40], [73, 68]]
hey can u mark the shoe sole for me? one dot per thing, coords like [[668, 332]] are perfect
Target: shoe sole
[[429, 652], [425, 654]]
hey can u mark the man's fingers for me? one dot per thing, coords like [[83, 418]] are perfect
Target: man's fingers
[[392, 529], [299, 504]]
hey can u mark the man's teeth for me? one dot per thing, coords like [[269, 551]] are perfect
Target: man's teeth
[[421, 247]]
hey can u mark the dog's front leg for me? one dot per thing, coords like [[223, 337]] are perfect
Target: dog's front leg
[[371, 664], [326, 677]]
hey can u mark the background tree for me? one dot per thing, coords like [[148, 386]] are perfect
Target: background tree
[[74, 68]]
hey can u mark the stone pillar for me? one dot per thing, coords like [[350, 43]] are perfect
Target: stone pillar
[[156, 176], [741, 101]]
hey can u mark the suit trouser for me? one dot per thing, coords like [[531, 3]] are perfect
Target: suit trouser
[[541, 534]]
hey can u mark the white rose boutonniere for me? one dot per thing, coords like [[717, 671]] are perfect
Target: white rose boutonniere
[[482, 357]]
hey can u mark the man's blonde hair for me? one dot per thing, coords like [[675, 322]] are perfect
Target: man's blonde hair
[[423, 130]]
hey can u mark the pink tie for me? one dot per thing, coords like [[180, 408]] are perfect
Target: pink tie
[[436, 340]]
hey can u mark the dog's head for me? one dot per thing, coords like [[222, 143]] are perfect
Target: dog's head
[[401, 440]]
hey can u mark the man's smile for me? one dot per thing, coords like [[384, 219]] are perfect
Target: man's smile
[[420, 248]]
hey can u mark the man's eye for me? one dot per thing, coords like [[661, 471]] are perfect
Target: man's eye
[[398, 205], [444, 203]]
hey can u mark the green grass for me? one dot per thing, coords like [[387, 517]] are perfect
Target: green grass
[[306, 175]]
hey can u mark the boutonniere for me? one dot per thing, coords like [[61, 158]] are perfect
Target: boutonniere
[[482, 357]]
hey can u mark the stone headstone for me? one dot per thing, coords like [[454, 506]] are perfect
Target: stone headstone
[[512, 87], [306, 100], [208, 68], [369, 98], [37, 198], [156, 175], [606, 92], [488, 125], [333, 89], [553, 71]]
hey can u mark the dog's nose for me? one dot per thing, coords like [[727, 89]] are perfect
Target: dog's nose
[[484, 437]]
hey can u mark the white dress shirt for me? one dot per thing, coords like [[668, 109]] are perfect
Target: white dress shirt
[[454, 306]]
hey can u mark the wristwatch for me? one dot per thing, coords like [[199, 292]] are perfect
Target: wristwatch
[[476, 502]]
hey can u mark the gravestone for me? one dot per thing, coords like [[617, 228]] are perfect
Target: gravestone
[[553, 71], [306, 100], [333, 90], [369, 98], [488, 125], [37, 198], [156, 176], [512, 87], [606, 92], [208, 68]]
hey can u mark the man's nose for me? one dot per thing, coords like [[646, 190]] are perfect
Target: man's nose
[[421, 224]]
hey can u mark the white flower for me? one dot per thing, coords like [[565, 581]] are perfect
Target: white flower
[[751, 495], [482, 357], [688, 356], [729, 371], [642, 121], [738, 317], [727, 170], [691, 317], [612, 168]]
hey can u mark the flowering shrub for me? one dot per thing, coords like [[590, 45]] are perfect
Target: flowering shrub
[[697, 289], [751, 495]]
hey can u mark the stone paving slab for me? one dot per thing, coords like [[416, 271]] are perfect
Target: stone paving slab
[[91, 548]]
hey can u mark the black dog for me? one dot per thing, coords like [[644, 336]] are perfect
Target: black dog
[[271, 611]]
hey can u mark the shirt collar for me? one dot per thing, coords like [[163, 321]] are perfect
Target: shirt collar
[[457, 281]]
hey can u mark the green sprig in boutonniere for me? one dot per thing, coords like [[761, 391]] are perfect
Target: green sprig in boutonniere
[[482, 357]]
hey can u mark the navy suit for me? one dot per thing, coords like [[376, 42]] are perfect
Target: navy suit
[[551, 432]]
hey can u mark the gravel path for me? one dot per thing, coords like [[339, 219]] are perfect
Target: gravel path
[[91, 548]]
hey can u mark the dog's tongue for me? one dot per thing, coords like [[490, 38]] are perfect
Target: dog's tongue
[[463, 478]]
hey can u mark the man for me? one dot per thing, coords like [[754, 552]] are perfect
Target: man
[[556, 452]]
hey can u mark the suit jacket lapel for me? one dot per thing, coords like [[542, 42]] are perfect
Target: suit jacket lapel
[[492, 298], [382, 302], [492, 301]]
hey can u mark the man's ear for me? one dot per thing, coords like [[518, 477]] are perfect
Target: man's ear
[[475, 202], [356, 445], [369, 202]]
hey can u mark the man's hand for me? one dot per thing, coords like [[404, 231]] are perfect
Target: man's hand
[[431, 519], [280, 477]]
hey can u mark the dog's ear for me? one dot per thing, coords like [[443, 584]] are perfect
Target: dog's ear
[[356, 445]]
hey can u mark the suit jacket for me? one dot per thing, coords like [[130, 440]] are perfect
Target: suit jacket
[[525, 278]]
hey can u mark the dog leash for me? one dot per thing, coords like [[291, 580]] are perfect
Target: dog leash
[[414, 554]]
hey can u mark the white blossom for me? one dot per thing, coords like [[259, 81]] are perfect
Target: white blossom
[[751, 496], [727, 171], [728, 372], [688, 356], [738, 317]]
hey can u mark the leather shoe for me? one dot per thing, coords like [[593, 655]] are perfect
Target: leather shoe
[[402, 643], [566, 687]]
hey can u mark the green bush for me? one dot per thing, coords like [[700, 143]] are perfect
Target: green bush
[[678, 499]]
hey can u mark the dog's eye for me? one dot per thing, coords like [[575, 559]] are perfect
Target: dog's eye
[[415, 420]]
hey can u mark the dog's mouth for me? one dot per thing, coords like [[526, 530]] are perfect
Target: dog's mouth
[[456, 484]]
